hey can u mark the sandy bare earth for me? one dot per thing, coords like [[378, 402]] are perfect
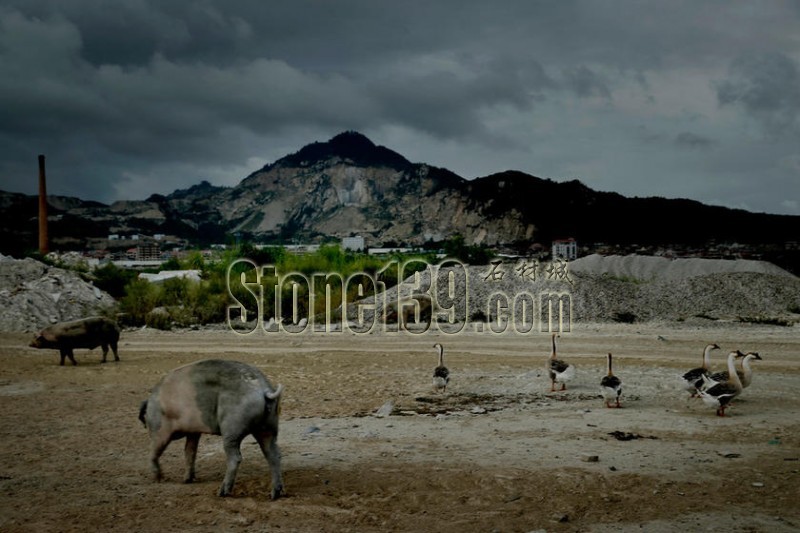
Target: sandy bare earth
[[496, 452]]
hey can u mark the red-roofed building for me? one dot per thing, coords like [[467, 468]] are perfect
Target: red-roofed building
[[565, 249]]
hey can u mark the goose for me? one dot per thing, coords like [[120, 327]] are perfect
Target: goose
[[720, 395], [611, 386], [745, 374], [558, 370], [441, 376], [693, 379]]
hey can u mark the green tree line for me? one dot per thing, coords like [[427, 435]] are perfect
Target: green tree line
[[182, 302]]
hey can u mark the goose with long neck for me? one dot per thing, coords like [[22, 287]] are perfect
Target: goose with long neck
[[721, 394], [745, 373], [693, 379], [441, 375], [558, 370], [611, 385]]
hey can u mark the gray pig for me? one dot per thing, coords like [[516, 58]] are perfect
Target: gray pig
[[84, 333], [218, 397]]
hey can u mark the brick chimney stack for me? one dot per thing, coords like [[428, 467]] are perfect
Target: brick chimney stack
[[44, 247]]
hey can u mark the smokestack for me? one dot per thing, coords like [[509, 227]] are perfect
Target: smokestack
[[44, 247]]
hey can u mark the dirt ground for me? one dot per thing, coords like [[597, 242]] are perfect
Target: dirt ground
[[496, 452]]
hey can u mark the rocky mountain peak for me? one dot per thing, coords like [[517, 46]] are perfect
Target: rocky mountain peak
[[349, 146], [204, 188]]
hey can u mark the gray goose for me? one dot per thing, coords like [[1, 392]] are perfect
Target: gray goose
[[721, 394], [558, 370], [441, 376], [745, 374], [611, 386], [693, 379]]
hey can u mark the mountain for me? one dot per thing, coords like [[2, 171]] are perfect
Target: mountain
[[348, 185]]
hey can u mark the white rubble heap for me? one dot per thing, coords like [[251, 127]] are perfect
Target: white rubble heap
[[34, 295], [163, 275]]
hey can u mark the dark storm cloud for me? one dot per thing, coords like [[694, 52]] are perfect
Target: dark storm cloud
[[147, 114], [445, 96], [132, 97], [768, 88], [687, 139], [586, 83]]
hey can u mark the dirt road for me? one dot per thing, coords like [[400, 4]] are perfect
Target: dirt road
[[496, 452]]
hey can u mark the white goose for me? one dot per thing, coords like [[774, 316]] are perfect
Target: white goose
[[721, 394], [745, 374], [441, 376], [693, 379], [559, 371], [611, 386]]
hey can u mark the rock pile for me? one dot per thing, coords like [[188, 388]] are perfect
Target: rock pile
[[651, 268], [34, 295], [653, 288], [627, 289]]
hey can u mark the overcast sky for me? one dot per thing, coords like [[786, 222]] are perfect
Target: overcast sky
[[693, 99]]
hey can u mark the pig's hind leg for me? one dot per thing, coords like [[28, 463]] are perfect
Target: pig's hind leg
[[190, 454], [269, 447], [114, 349], [158, 443], [231, 444]]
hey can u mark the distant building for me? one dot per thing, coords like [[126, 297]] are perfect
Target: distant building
[[148, 251], [565, 249], [353, 243], [113, 237]]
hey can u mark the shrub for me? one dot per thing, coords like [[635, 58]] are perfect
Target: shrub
[[159, 318], [171, 264], [174, 291], [112, 279], [195, 261], [175, 302], [206, 305], [141, 297]]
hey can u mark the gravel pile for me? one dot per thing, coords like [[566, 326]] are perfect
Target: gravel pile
[[736, 295], [656, 288], [650, 268], [630, 288], [34, 295]]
